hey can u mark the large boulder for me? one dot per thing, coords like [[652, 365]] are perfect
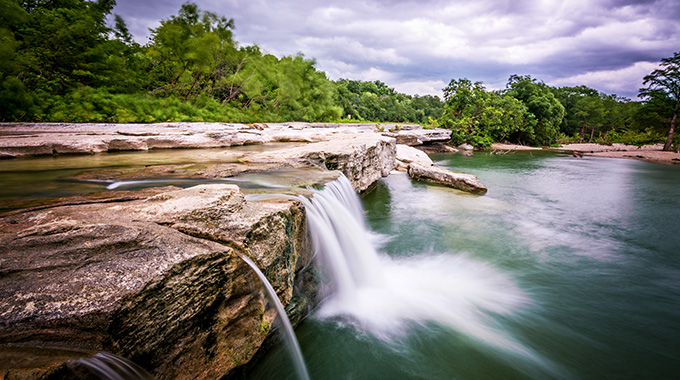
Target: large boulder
[[407, 155], [460, 181], [157, 280], [420, 136]]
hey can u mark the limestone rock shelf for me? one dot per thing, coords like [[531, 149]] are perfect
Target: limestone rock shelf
[[22, 139], [157, 280], [155, 275]]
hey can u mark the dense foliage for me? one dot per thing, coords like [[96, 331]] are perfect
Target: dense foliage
[[375, 101], [61, 61], [530, 112], [662, 96]]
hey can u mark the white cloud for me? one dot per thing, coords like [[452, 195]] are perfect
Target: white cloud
[[428, 87], [417, 45], [611, 81]]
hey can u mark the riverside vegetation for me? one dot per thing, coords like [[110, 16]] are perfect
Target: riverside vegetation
[[62, 61]]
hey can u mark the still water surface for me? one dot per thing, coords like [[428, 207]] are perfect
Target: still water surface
[[44, 177], [567, 269]]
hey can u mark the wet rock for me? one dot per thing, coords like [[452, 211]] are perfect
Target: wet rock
[[460, 181], [156, 280]]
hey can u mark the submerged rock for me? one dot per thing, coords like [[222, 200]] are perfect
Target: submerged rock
[[460, 181], [157, 280]]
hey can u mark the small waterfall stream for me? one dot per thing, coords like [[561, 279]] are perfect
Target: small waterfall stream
[[106, 366], [288, 332]]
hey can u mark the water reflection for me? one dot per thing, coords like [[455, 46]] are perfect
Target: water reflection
[[40, 177]]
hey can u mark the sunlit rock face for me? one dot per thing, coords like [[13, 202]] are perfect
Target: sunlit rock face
[[407, 155], [363, 158], [460, 181], [157, 280], [419, 136], [26, 139]]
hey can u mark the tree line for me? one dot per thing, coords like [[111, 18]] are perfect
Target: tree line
[[530, 112], [60, 60]]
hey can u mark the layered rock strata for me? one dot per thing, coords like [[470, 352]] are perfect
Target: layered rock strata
[[22, 139], [157, 280]]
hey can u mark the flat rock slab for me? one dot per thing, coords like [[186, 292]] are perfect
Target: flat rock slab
[[407, 155], [22, 139], [419, 136], [362, 158], [460, 181]]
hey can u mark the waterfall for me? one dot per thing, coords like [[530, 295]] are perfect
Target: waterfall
[[106, 366], [288, 333], [386, 296], [341, 242]]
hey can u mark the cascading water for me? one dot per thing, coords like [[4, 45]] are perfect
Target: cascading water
[[383, 296], [288, 332], [106, 366]]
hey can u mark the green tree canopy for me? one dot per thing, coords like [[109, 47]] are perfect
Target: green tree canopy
[[480, 117], [546, 112], [192, 52]]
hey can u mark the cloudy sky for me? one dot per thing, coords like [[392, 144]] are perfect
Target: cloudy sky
[[418, 46]]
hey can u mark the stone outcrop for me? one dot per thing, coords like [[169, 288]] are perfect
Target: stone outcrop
[[437, 147], [157, 280], [21, 139], [363, 158], [407, 155], [460, 181], [419, 136]]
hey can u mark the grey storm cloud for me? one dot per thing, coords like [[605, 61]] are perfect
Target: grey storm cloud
[[419, 46]]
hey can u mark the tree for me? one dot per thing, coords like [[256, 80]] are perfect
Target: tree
[[192, 52], [14, 97], [63, 44], [663, 93], [480, 117], [546, 111]]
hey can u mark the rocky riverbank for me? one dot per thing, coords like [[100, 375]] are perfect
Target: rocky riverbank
[[652, 153], [155, 275]]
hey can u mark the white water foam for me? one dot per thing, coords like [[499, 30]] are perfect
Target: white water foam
[[384, 296]]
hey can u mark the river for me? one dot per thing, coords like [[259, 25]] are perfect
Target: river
[[567, 269]]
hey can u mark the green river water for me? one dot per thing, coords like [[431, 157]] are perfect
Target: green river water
[[567, 269], [586, 252]]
